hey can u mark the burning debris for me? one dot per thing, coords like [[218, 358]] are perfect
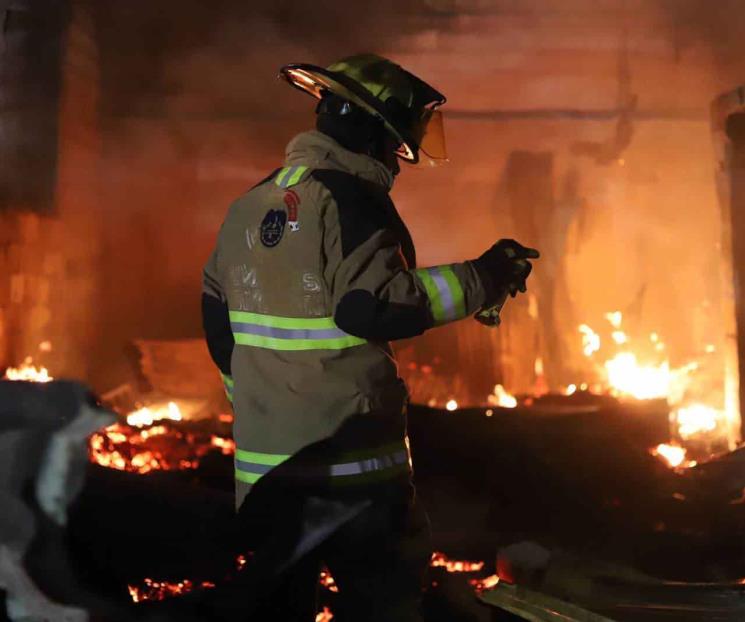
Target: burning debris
[[160, 590]]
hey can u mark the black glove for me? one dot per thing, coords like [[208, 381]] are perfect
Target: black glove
[[505, 268]]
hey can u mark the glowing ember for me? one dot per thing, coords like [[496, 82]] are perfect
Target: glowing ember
[[590, 340], [570, 390], [160, 590], [451, 405], [674, 455], [481, 585], [325, 615], [226, 445], [502, 398], [145, 416], [159, 448], [697, 419], [439, 560], [620, 337], [28, 372]]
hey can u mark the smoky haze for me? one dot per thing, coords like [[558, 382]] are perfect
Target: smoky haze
[[605, 103]]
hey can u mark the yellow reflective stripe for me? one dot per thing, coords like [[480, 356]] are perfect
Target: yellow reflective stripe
[[248, 478], [445, 293], [289, 176], [276, 321], [274, 343], [280, 178], [296, 176], [361, 465], [260, 458]]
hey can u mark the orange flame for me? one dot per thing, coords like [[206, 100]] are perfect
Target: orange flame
[[146, 416], [502, 398], [674, 455], [325, 615]]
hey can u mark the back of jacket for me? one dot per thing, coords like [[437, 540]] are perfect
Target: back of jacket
[[317, 244]]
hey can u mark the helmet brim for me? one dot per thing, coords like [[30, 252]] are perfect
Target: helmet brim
[[315, 80]]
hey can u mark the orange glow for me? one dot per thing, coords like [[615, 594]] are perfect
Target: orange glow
[[28, 372], [439, 560]]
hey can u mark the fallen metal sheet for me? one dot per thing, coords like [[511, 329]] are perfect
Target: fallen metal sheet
[[535, 606], [681, 602]]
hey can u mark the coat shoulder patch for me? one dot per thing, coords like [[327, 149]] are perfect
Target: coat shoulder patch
[[273, 227]]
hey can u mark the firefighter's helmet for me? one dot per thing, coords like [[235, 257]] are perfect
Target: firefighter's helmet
[[406, 105]]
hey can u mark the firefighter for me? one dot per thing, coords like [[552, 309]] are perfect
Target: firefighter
[[313, 273]]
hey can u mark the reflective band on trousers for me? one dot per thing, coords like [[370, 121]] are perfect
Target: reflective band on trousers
[[289, 176], [289, 333], [228, 383], [444, 292], [250, 466]]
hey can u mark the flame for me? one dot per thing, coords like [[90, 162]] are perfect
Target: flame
[[673, 455], [615, 318], [327, 581], [145, 416], [697, 419], [440, 560], [502, 398], [627, 377], [590, 340], [570, 390], [620, 337], [325, 615], [452, 405], [28, 372]]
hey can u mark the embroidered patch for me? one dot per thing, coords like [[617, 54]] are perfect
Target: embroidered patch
[[272, 227], [292, 201]]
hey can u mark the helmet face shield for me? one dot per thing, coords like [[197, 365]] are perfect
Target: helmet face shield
[[432, 143]]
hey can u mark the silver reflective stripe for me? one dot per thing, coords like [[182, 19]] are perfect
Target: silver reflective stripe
[[251, 466], [287, 333], [370, 465], [446, 297]]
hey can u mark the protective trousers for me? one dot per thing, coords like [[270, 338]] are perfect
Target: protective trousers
[[378, 561]]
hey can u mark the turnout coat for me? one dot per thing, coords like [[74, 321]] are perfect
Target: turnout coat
[[313, 274]]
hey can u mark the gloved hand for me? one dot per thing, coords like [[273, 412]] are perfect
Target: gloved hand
[[505, 268]]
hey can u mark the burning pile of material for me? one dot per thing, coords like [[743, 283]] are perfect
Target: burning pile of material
[[141, 447], [28, 372], [640, 369]]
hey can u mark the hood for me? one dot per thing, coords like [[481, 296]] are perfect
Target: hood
[[316, 150]]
